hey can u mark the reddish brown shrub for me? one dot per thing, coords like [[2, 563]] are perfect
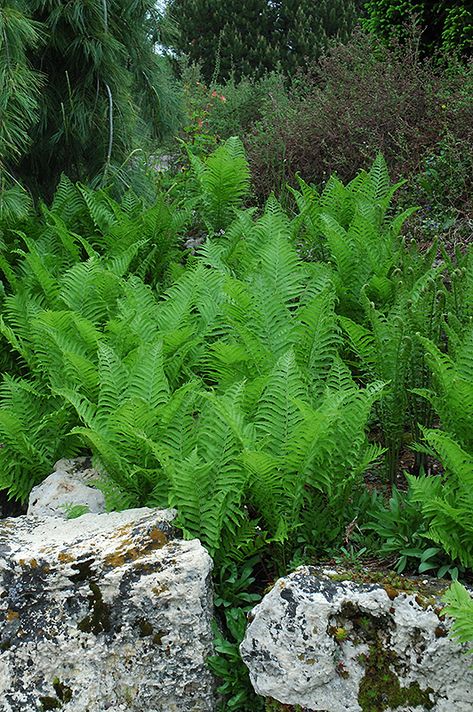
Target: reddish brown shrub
[[360, 99]]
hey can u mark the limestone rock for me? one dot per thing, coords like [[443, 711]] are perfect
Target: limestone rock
[[103, 612], [338, 645], [69, 485]]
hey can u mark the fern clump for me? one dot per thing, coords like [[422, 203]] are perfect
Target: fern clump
[[241, 393], [447, 500], [223, 180]]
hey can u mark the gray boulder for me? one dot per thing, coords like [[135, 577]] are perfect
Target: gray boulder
[[70, 485], [103, 612], [340, 645]]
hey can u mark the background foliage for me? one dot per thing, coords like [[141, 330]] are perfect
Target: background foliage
[[254, 36], [448, 24]]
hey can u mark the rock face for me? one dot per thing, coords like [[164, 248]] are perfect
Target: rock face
[[70, 485], [103, 612], [338, 645]]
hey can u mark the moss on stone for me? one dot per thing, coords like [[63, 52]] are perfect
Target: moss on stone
[[63, 692], [98, 621], [427, 591], [275, 706], [380, 688]]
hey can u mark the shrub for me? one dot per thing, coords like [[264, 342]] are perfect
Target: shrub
[[231, 108], [360, 99]]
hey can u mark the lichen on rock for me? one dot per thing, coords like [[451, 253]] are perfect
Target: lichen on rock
[[324, 642], [105, 612]]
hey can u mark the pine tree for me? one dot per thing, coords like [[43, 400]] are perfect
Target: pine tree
[[103, 85], [252, 36], [19, 84], [306, 28]]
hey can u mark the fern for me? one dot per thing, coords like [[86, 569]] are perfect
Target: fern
[[223, 180], [451, 394], [460, 607], [33, 430], [447, 502]]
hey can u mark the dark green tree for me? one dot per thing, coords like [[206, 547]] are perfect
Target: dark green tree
[[104, 85], [225, 36], [19, 84], [246, 37], [306, 28], [446, 24]]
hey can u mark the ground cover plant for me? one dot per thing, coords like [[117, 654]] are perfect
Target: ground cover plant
[[267, 387]]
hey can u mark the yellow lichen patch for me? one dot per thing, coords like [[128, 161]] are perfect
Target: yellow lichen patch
[[33, 563], [12, 615], [158, 590], [115, 560], [123, 532], [158, 537], [65, 558], [129, 551]]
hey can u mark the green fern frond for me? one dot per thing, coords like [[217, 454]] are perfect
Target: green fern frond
[[146, 378], [460, 607], [278, 414], [317, 336], [68, 203], [223, 179], [447, 502], [114, 379], [91, 290]]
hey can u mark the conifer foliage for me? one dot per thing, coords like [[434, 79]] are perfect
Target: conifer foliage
[[19, 83], [258, 35], [102, 84]]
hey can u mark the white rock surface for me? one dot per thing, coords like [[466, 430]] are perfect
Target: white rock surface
[[333, 645], [69, 485], [103, 612]]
